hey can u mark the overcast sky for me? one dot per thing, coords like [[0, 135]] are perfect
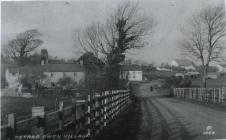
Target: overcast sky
[[59, 21]]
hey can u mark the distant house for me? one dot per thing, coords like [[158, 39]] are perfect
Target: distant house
[[179, 75], [186, 64], [131, 73], [56, 71], [213, 75], [192, 74], [162, 69]]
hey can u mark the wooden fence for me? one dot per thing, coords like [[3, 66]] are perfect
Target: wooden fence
[[212, 95], [84, 119]]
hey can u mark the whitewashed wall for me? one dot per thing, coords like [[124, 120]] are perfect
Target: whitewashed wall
[[76, 76], [132, 75]]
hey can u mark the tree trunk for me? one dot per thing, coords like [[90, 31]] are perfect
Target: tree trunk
[[204, 76]]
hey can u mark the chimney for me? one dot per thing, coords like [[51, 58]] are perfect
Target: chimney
[[44, 57]]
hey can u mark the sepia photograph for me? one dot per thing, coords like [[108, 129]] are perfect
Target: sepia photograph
[[113, 70]]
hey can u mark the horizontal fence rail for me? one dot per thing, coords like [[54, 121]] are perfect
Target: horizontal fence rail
[[83, 119], [211, 95]]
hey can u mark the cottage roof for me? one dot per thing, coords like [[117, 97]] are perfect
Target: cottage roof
[[36, 69], [63, 67], [131, 68]]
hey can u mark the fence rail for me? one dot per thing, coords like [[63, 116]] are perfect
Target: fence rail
[[85, 118], [211, 95]]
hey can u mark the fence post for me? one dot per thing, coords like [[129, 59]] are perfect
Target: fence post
[[195, 96], [111, 105], [56, 104], [201, 94], [39, 128], [189, 96], [117, 102], [183, 92], [96, 114], [11, 126], [105, 108], [102, 110], [193, 93], [74, 114], [89, 116], [60, 116], [219, 95], [223, 95], [178, 92]]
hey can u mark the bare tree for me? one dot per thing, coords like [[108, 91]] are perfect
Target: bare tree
[[90, 39], [125, 29], [26, 42], [204, 37]]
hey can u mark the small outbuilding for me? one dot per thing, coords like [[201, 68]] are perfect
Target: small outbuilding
[[131, 73]]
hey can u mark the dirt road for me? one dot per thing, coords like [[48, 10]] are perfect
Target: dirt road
[[158, 117]]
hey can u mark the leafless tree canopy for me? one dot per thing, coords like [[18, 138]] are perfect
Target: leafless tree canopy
[[124, 29], [23, 45], [204, 36]]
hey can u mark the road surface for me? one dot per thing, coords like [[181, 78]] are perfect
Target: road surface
[[157, 117]]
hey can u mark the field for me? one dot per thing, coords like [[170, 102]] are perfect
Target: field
[[220, 82], [22, 107], [158, 74]]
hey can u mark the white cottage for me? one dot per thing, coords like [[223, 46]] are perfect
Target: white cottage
[[131, 73], [54, 72]]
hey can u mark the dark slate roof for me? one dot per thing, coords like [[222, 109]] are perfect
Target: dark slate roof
[[63, 67], [36, 69], [131, 68], [28, 69]]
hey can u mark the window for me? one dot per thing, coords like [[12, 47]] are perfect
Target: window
[[51, 74], [64, 74], [75, 74]]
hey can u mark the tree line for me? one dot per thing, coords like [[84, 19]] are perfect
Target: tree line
[[105, 45]]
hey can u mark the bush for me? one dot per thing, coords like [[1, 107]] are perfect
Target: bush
[[30, 81], [66, 83], [174, 81], [185, 83], [171, 82]]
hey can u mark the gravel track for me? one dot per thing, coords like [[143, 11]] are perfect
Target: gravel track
[[154, 116]]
